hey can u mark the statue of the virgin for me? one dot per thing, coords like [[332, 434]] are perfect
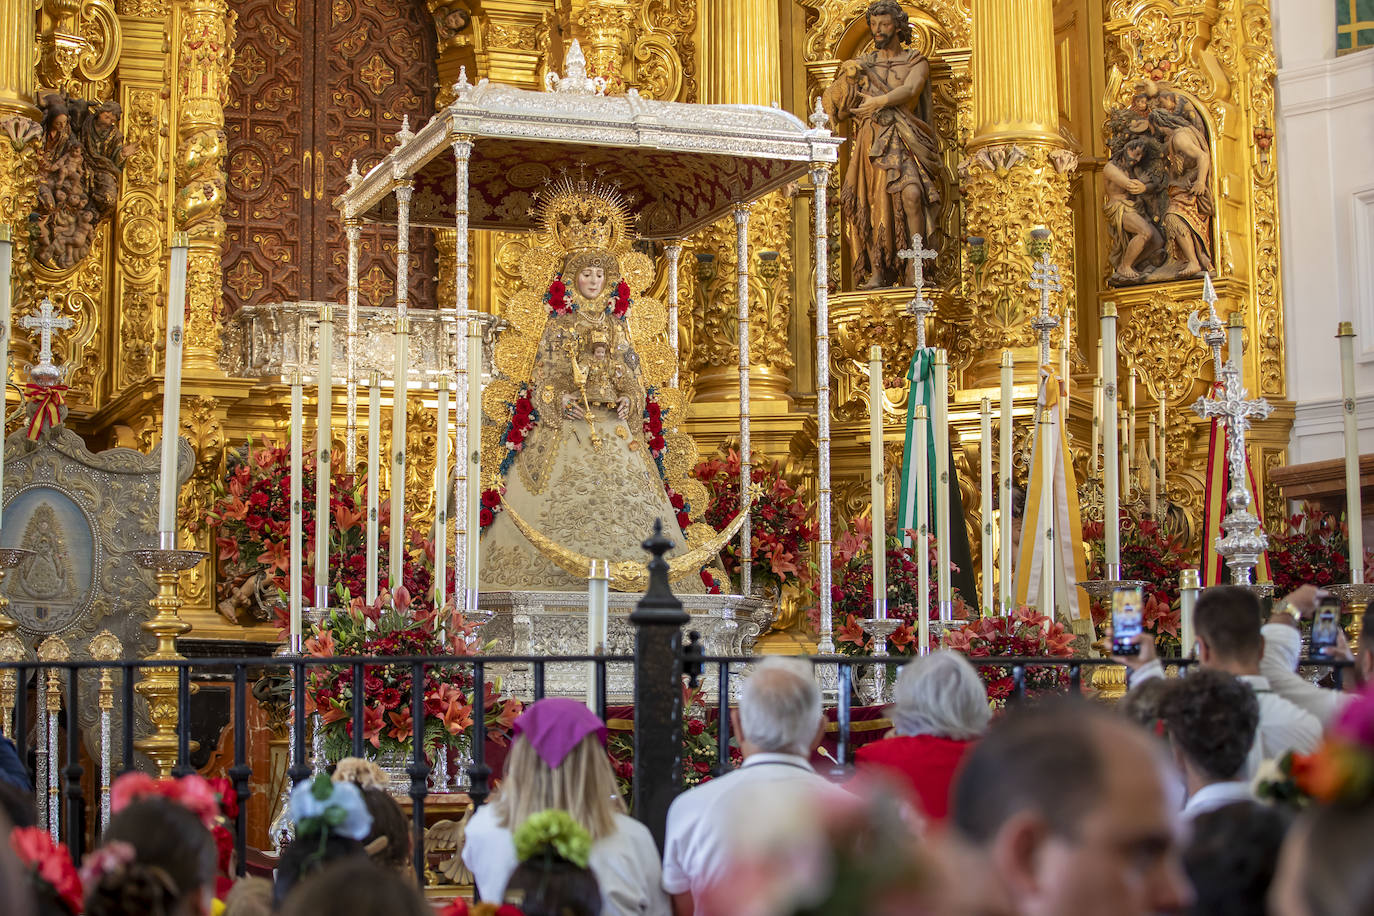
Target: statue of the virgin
[[581, 455]]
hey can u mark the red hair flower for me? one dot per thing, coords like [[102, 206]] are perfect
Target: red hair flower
[[50, 863]]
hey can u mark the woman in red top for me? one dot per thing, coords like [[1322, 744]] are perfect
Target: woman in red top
[[940, 707]]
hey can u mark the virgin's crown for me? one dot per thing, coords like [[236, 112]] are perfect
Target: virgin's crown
[[577, 214]]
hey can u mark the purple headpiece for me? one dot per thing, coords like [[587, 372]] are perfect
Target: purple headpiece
[[555, 725]]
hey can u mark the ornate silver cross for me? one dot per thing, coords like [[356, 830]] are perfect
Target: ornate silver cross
[[920, 306], [1244, 541], [44, 322], [1045, 279]]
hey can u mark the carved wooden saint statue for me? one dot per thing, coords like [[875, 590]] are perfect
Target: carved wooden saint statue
[[892, 188], [1158, 201], [79, 163]]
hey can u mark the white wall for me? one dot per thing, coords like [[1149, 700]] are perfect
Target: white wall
[[1325, 132]]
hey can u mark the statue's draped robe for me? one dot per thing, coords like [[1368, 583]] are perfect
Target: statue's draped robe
[[892, 151], [598, 501]]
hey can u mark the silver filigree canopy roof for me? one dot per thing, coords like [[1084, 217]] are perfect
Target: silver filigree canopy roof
[[684, 165]]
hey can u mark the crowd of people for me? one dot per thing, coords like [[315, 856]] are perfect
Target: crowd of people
[[1237, 787]]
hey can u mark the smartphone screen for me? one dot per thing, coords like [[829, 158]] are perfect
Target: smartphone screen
[[1128, 621], [1326, 628]]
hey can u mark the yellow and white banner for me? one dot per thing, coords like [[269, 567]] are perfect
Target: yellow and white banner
[[1059, 509]]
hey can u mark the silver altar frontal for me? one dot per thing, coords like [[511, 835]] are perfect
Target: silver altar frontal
[[478, 164]]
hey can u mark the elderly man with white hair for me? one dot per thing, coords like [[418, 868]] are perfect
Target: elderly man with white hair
[[778, 722], [940, 708]]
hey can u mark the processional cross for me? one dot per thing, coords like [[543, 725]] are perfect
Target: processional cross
[[1212, 330], [45, 321], [1045, 279], [919, 306], [1244, 541]]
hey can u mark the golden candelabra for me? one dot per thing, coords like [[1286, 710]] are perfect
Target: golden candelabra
[[159, 685]]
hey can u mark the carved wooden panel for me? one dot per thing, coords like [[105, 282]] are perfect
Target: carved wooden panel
[[380, 55], [316, 84], [267, 230]]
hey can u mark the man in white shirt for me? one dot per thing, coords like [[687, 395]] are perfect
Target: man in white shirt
[[1210, 719], [1283, 646], [1227, 623], [778, 722]]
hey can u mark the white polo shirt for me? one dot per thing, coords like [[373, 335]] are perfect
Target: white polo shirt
[[697, 848], [1214, 796], [625, 864]]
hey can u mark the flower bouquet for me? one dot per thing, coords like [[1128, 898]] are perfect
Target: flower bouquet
[[1023, 634], [783, 532], [699, 737], [1152, 555], [851, 591], [1313, 550], [394, 625]]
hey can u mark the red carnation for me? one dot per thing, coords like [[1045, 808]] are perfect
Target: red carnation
[[51, 862], [491, 498], [678, 502], [487, 517], [683, 520], [655, 412], [657, 444], [515, 438]]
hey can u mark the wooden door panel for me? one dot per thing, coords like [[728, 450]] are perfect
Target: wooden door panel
[[266, 214]]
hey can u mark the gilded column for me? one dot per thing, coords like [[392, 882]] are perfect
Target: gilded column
[[741, 64], [16, 59], [1015, 180], [206, 36]]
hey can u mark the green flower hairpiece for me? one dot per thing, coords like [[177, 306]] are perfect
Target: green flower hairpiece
[[553, 830]]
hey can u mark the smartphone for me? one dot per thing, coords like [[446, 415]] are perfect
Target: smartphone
[[1326, 627], [1128, 620]]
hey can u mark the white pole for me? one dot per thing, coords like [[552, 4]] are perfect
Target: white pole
[[1345, 333], [354, 233], [171, 393], [466, 485], [876, 480], [942, 520], [441, 496], [1006, 475], [473, 532], [297, 472], [674, 251], [324, 435], [920, 446], [820, 178], [985, 503], [1111, 483], [1047, 449], [374, 478]]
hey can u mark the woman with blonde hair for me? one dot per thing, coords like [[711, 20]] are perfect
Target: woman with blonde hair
[[558, 760]]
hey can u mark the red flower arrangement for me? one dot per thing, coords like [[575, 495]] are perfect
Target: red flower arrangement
[[394, 625], [851, 592], [50, 865], [658, 446], [523, 419], [700, 736], [491, 504], [619, 305], [783, 532], [557, 298], [1023, 634], [1314, 550], [1151, 554]]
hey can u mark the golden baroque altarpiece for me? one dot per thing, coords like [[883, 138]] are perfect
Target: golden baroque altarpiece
[[240, 132]]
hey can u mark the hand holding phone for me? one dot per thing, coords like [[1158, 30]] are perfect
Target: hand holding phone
[[1128, 621], [1326, 627]]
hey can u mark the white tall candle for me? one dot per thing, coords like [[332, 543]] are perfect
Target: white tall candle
[[474, 464], [297, 434], [442, 437], [985, 503], [1097, 426], [1153, 462], [1111, 484], [746, 534], [1189, 584], [324, 440], [877, 481], [171, 393], [1235, 341], [1046, 532], [598, 600], [942, 483], [922, 530], [1162, 450], [1005, 477], [6, 292], [1132, 378], [1345, 333], [374, 480]]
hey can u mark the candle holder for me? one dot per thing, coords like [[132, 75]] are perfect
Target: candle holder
[[10, 557], [880, 628], [160, 686], [1351, 596]]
